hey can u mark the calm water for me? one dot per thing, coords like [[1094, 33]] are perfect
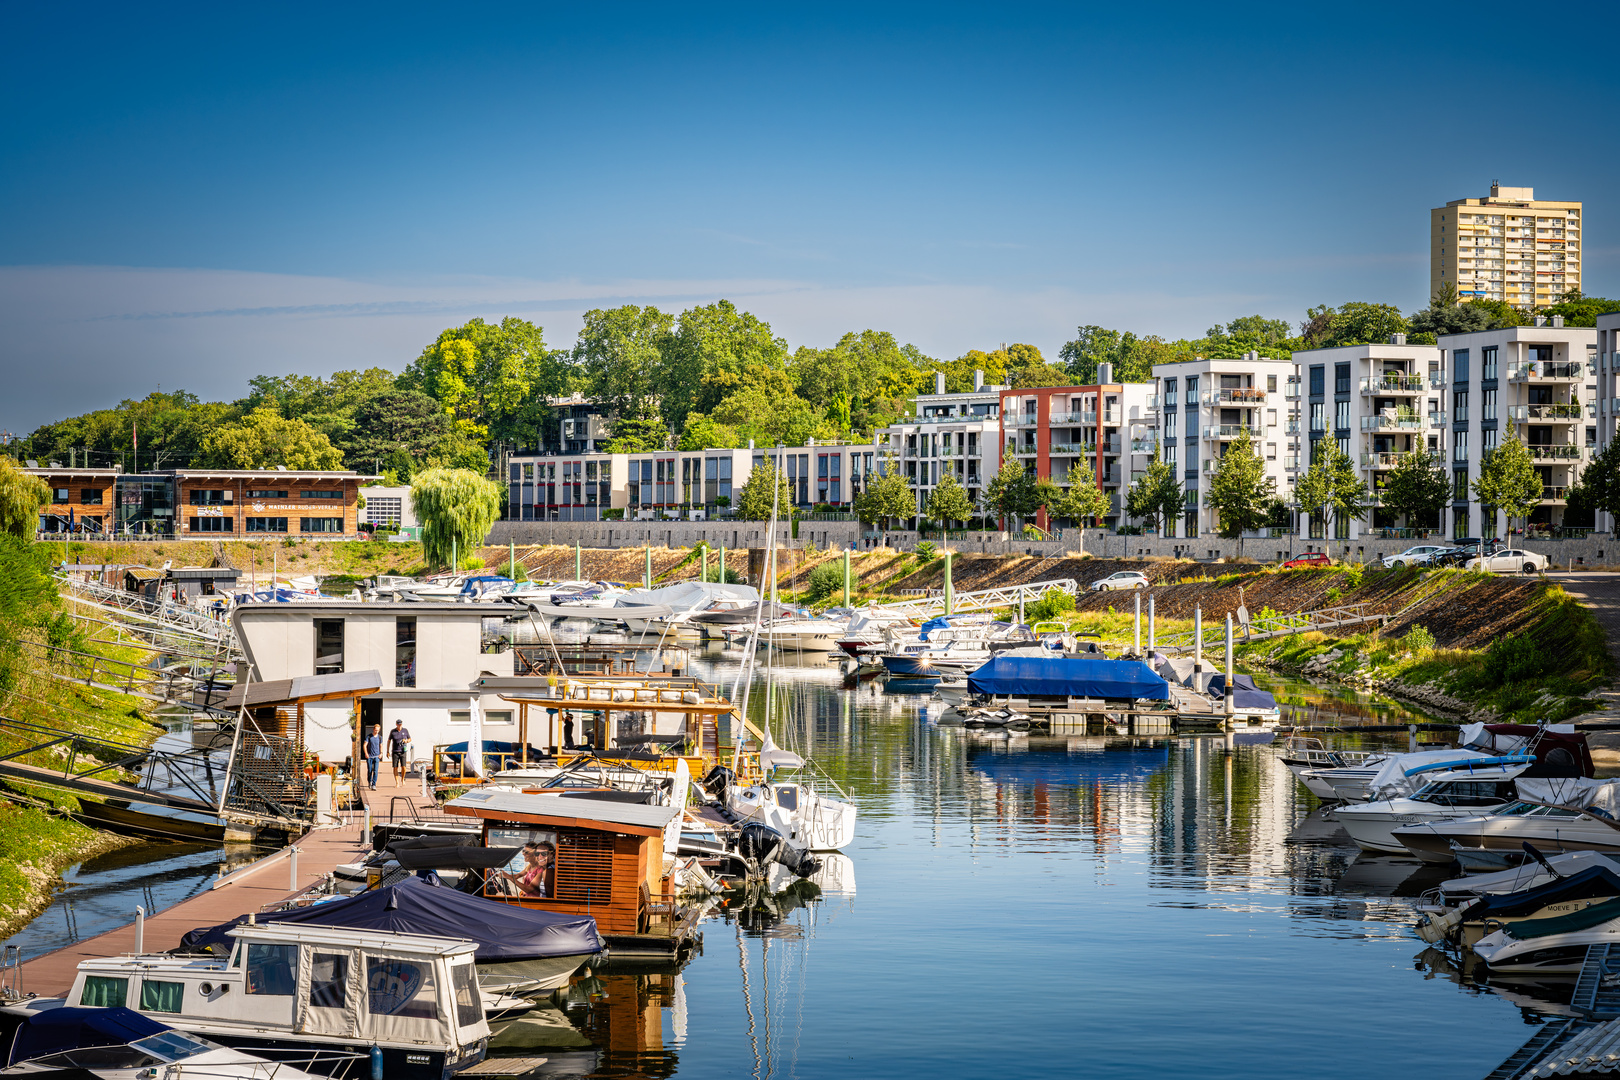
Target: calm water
[[1031, 907]]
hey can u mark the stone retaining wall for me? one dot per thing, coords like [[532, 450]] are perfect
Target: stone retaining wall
[[1589, 551]]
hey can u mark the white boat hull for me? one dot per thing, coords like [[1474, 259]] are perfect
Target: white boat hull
[[1371, 825]]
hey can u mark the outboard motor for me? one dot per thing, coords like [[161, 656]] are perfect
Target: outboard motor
[[766, 845], [719, 781]]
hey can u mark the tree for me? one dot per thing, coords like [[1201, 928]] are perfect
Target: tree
[[1508, 481], [620, 352], [863, 382], [1083, 500], [1156, 495], [264, 440], [887, 495], [396, 420], [706, 356], [949, 502], [755, 499], [1012, 492], [456, 508], [959, 372], [1353, 323], [1579, 310], [1331, 488], [458, 450], [493, 381], [1240, 491], [1601, 481], [635, 434], [766, 408], [1417, 487], [702, 433], [1133, 357], [1447, 315], [21, 497]]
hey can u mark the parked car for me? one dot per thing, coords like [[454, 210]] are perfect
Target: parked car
[[1510, 561], [1422, 555], [1125, 579], [1310, 558]]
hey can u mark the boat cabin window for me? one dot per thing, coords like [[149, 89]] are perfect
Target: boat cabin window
[[469, 1009], [1467, 793], [171, 1046], [401, 988], [787, 798], [532, 871], [270, 969], [104, 992], [329, 980], [163, 997]]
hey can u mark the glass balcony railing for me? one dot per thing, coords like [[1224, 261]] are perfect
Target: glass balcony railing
[[1437, 418], [1395, 422], [1384, 459], [1231, 431], [1569, 411], [1554, 494], [1539, 371], [1437, 380], [1234, 396], [1559, 452], [1291, 390], [1392, 384], [1143, 446], [1153, 401]]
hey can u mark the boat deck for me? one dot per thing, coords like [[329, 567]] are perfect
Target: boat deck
[[249, 888]]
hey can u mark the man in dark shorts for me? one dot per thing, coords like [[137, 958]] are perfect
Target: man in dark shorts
[[399, 741]]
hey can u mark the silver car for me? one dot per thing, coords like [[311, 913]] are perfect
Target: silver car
[[1510, 561], [1423, 555], [1125, 579]]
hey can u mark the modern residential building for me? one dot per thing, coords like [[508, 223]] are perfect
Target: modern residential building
[[1203, 405], [1536, 383], [1061, 429], [1608, 393], [1506, 246], [1386, 401], [957, 434]]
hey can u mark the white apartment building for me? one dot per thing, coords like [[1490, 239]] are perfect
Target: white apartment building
[[951, 434], [1203, 405], [1537, 383], [1380, 403], [1608, 393]]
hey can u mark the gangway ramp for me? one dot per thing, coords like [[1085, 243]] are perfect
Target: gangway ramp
[[89, 763], [925, 607]]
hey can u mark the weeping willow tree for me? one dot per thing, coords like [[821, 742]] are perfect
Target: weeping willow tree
[[456, 508], [21, 496]]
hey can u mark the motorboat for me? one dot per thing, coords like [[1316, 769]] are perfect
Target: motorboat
[[802, 634], [1575, 814], [284, 990], [1304, 756], [122, 1044], [1449, 793], [677, 605], [724, 620], [1554, 945], [1559, 895], [1251, 706], [1398, 775], [866, 628], [1017, 680]]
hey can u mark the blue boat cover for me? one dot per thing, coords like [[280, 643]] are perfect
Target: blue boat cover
[[501, 931], [1064, 676], [1245, 695], [70, 1027], [1594, 881]]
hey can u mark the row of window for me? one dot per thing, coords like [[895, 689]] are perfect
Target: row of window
[[87, 496], [224, 496], [265, 525]]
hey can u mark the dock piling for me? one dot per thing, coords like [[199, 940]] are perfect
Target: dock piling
[[577, 576], [1231, 702], [1198, 643], [140, 930], [292, 868], [1138, 594], [1152, 611], [846, 577]]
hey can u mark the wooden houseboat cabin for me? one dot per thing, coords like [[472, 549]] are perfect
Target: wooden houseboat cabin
[[604, 859]]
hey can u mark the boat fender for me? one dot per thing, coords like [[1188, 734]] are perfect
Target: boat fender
[[376, 1062]]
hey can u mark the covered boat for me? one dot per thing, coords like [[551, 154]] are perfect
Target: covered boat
[[1068, 677]]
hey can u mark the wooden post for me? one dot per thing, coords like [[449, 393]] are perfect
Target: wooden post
[[1153, 607], [523, 732], [703, 575], [1138, 594], [1198, 641], [511, 558], [1230, 700], [722, 578], [647, 575]]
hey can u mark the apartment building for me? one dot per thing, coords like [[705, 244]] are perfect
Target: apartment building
[[1506, 246], [1608, 393], [1536, 383], [951, 434], [1201, 406], [1387, 401], [1058, 429]]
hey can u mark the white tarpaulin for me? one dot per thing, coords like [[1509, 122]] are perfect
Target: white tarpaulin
[[1474, 736], [1396, 778], [1575, 792]]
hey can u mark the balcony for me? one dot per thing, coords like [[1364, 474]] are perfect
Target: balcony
[[1554, 494], [1153, 401], [1558, 452], [1291, 462], [1384, 459], [1232, 431], [1144, 446], [1291, 390], [1234, 397], [1437, 380], [1381, 385], [1437, 418], [1568, 412], [1537, 371], [1169, 401], [1059, 449], [1392, 422], [1291, 428]]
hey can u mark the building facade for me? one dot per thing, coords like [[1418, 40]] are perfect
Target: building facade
[[82, 500], [1063, 431], [951, 434], [1506, 246], [1534, 383], [1201, 406], [1608, 394]]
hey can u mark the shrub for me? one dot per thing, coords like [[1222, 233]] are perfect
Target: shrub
[[826, 580], [1419, 640], [1050, 606], [471, 562], [1032, 533], [927, 552], [1352, 575], [1514, 659], [1333, 596]]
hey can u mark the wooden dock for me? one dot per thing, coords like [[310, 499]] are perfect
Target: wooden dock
[[250, 888]]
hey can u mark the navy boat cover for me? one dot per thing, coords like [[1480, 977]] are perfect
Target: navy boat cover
[[501, 931], [1064, 676], [1594, 881], [1245, 695], [69, 1028]]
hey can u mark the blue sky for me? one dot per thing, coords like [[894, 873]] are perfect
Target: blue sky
[[193, 196]]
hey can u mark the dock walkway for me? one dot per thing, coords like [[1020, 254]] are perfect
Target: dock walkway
[[247, 889]]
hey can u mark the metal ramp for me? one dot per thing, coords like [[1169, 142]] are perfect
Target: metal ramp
[[162, 624], [1597, 988], [1012, 596], [1274, 626], [90, 767], [1546, 1039]]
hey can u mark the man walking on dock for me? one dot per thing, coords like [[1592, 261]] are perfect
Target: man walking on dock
[[373, 755], [399, 741]]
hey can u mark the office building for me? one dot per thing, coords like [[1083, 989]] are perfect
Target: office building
[[1506, 246]]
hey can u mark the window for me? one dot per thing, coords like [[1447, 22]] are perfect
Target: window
[[1271, 451], [208, 497], [469, 1007], [212, 524], [1459, 406], [1459, 487], [104, 992], [328, 646], [397, 987], [1487, 441], [320, 494], [1591, 440], [1341, 415], [1271, 418], [328, 980], [1318, 417], [1487, 405], [405, 650], [491, 716], [90, 497], [163, 997], [1459, 365], [265, 493], [59, 496], [1487, 362], [265, 524], [1271, 384], [1316, 380], [1459, 448], [385, 510], [320, 525], [271, 969], [1341, 378]]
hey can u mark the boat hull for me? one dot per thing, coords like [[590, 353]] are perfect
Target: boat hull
[[1372, 825], [551, 972], [909, 667], [1431, 842]]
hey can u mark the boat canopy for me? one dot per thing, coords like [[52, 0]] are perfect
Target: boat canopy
[[1067, 677], [53, 1031], [1399, 775], [690, 595], [1245, 695], [941, 622], [501, 931], [1594, 881]]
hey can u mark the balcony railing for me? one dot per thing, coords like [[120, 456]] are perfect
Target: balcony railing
[[1384, 459], [1072, 448], [1539, 371], [1437, 380], [1291, 462], [1143, 446], [1291, 390], [1237, 396], [1291, 427], [1392, 384], [1437, 418], [1232, 431], [1398, 422], [1169, 399], [1554, 494], [1569, 411], [1153, 401], [1561, 452]]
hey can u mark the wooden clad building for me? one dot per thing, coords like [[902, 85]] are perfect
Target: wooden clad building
[[243, 502], [82, 500]]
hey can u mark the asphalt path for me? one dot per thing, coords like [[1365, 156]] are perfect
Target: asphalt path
[[1600, 593]]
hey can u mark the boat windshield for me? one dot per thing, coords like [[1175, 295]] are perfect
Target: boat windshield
[[1465, 793], [1524, 809], [171, 1046]]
